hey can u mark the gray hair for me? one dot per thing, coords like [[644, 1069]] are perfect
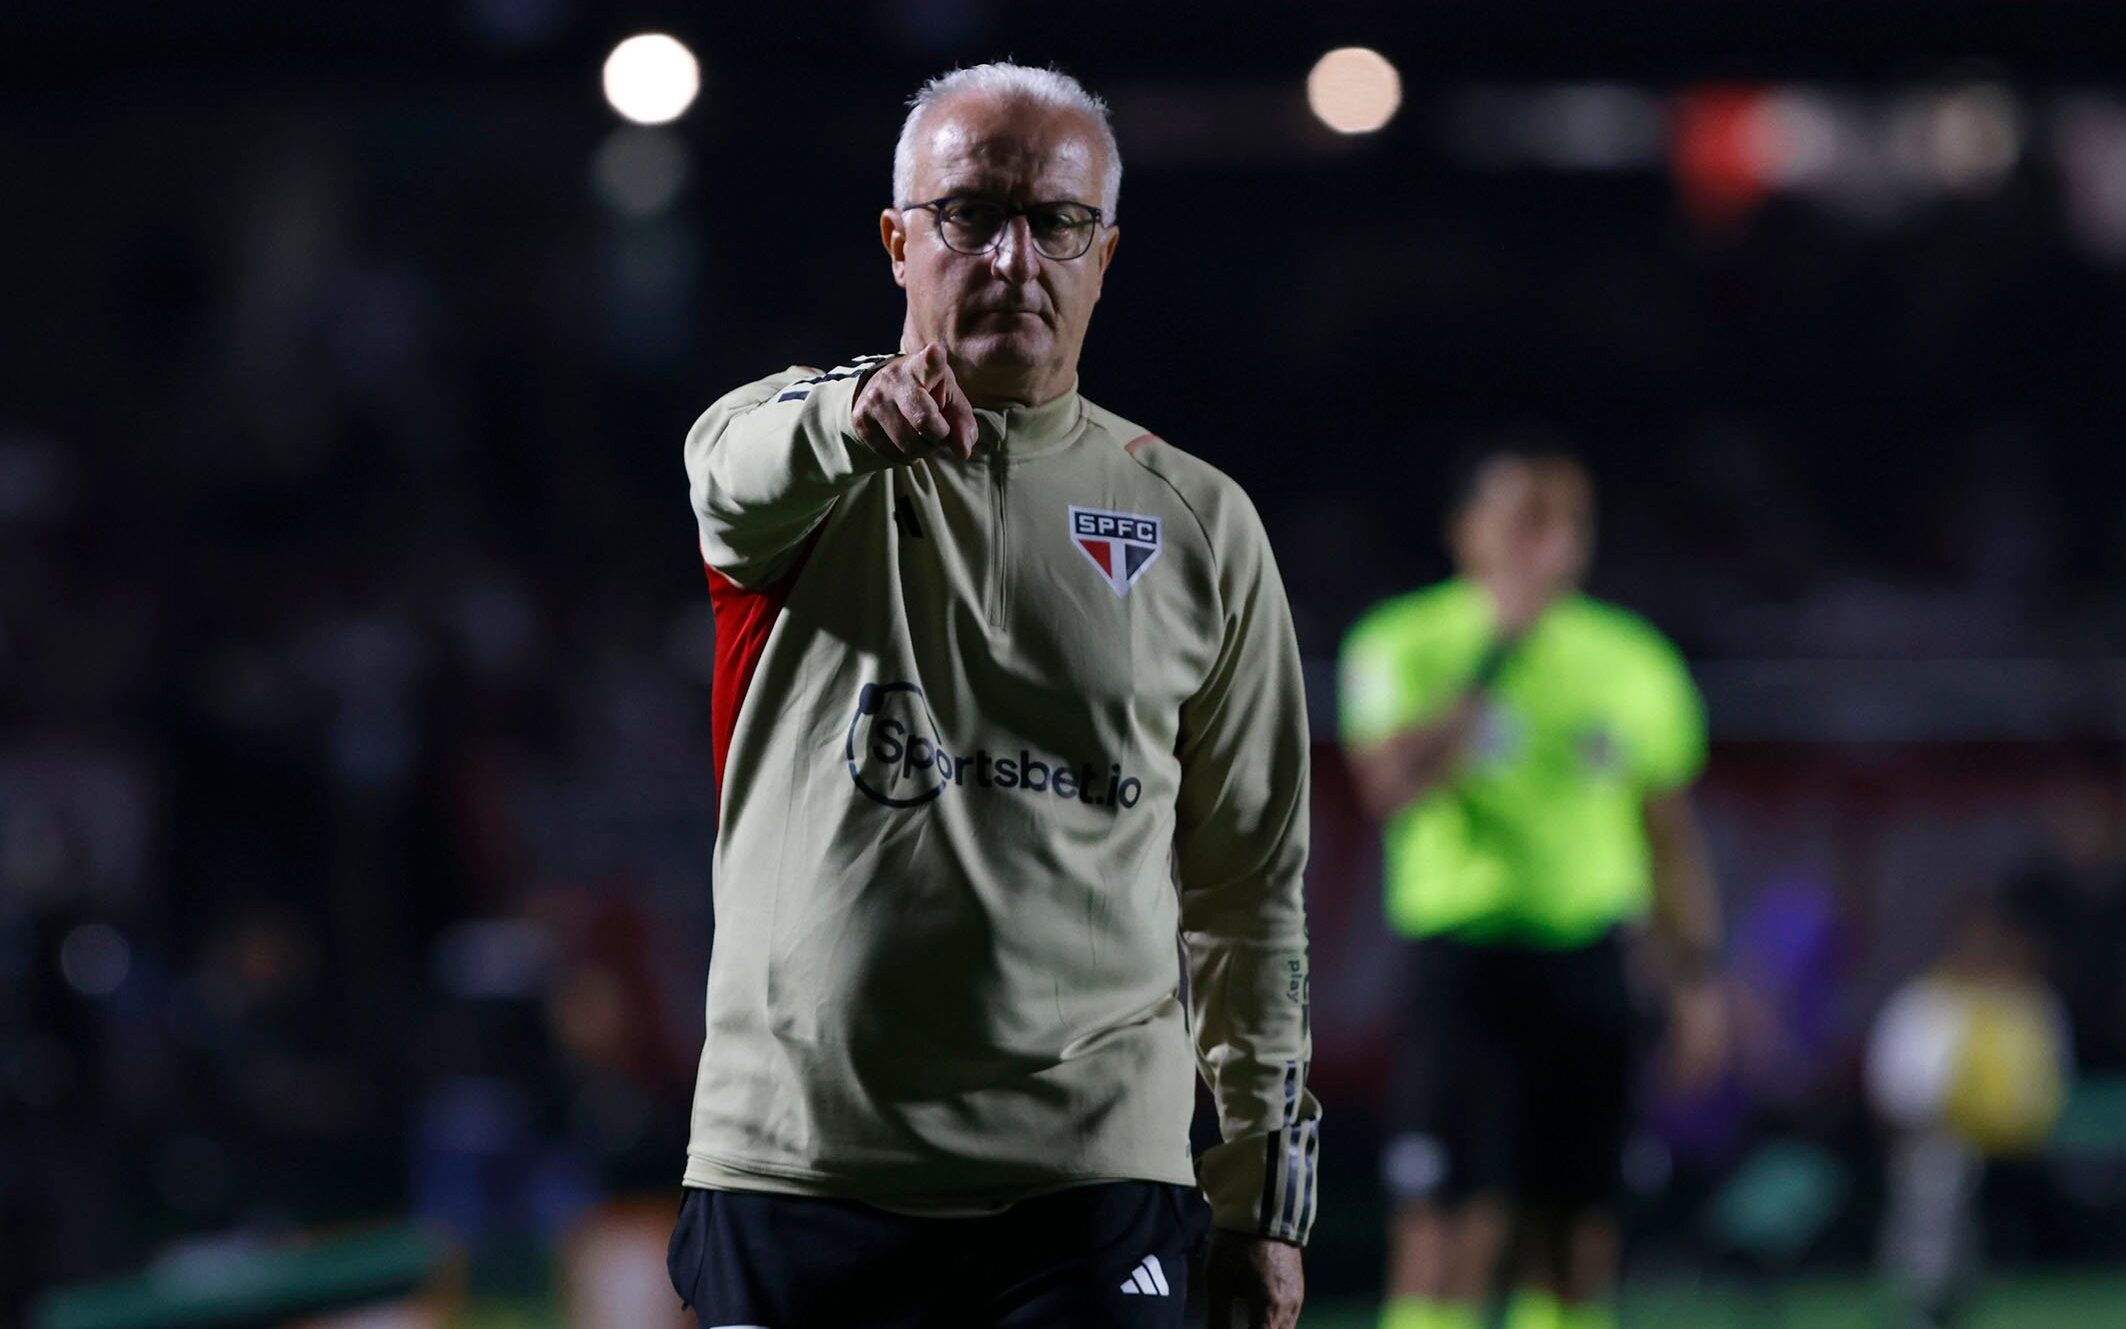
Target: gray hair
[[1043, 87]]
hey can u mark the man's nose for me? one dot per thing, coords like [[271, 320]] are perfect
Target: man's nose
[[1014, 258]]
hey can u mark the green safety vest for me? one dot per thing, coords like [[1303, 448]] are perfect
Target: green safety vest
[[1539, 836]]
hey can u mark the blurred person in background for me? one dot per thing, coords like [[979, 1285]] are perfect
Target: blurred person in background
[[1529, 752], [1967, 1066], [996, 670]]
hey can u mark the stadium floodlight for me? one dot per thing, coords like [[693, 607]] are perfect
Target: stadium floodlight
[[652, 78], [1354, 90]]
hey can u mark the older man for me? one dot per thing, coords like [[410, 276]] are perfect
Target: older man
[[1006, 705]]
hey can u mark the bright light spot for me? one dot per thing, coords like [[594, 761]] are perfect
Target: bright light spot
[[1413, 1165], [640, 171], [652, 78], [1975, 136], [94, 959], [1354, 90], [1799, 136]]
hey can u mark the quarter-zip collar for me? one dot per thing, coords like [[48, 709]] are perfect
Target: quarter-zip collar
[[1029, 431]]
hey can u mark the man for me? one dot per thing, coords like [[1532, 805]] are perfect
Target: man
[[1007, 710], [1529, 752]]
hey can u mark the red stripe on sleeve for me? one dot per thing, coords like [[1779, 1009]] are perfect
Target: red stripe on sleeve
[[744, 618]]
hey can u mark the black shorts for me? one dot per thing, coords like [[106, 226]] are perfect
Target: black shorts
[[1115, 1254], [1517, 1075]]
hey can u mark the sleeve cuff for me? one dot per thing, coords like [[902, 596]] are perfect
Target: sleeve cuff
[[832, 429], [836, 406], [1265, 1185]]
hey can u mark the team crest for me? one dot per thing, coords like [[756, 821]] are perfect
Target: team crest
[[1120, 544]]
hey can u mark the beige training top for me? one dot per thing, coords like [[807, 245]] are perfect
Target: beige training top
[[992, 736]]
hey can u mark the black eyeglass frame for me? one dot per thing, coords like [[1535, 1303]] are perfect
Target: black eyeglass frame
[[1010, 210]]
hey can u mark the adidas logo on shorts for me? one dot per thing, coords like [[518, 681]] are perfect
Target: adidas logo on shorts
[[1147, 1279]]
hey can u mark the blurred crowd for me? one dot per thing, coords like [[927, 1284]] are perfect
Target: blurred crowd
[[355, 800]]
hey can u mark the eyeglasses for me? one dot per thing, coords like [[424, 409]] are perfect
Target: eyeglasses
[[1060, 231]]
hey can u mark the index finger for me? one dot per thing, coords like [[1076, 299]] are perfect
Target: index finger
[[959, 416], [929, 365]]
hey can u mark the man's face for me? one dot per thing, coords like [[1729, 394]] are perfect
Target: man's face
[[1532, 521], [1012, 320]]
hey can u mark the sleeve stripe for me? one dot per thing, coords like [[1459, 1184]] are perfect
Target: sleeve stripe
[[1290, 1184], [1286, 1212], [1288, 1180], [1297, 1172], [1265, 1219], [1274, 1162], [852, 369], [1313, 1182], [830, 378]]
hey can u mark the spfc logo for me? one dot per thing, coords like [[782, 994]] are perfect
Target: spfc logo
[[1120, 544]]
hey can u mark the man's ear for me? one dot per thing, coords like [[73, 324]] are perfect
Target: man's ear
[[1104, 254], [893, 233]]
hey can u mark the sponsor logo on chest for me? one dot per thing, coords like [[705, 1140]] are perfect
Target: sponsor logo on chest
[[897, 758], [1119, 545]]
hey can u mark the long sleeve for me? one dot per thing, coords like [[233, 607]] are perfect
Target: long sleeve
[[1240, 854], [766, 462]]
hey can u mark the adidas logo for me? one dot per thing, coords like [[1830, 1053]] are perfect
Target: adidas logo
[[1147, 1279]]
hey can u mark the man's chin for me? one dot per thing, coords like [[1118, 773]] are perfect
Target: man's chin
[[1003, 359], [1005, 350]]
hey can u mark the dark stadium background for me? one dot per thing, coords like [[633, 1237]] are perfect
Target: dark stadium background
[[354, 785]]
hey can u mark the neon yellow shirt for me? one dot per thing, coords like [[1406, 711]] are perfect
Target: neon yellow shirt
[[1538, 836]]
